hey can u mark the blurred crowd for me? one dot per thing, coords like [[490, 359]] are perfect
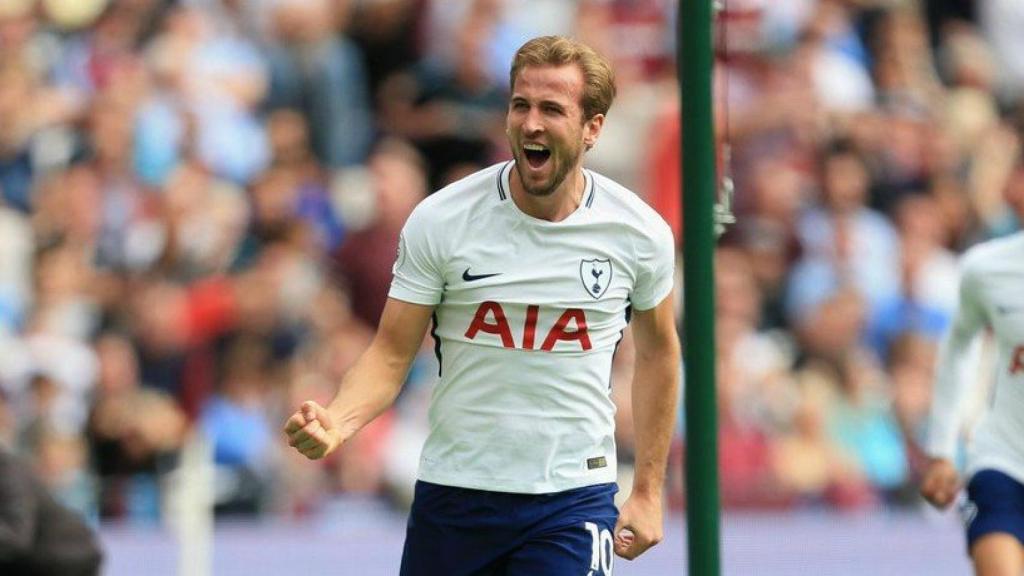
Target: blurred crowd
[[200, 202]]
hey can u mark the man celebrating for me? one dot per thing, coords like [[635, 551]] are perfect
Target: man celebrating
[[530, 271]]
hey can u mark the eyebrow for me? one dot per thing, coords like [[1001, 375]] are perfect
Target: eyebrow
[[554, 103]]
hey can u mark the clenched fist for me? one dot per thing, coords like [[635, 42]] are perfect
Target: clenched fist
[[940, 482], [639, 526], [311, 431]]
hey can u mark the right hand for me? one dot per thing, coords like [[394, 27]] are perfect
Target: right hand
[[639, 525], [312, 432], [940, 482]]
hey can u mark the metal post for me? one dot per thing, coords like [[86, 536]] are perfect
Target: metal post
[[698, 162]]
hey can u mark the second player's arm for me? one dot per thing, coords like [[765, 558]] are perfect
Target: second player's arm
[[940, 481], [655, 392], [369, 387]]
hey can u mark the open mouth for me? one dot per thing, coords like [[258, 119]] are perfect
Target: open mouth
[[536, 154]]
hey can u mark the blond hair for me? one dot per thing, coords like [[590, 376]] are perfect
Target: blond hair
[[598, 77]]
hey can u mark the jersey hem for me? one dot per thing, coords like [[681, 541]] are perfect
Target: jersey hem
[[1011, 469], [493, 485]]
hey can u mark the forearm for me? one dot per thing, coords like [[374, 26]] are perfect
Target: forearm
[[655, 404], [944, 425], [368, 389]]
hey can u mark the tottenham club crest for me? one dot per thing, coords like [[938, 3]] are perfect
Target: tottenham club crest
[[596, 276]]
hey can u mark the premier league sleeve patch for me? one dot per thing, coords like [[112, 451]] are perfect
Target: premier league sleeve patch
[[596, 276], [400, 255]]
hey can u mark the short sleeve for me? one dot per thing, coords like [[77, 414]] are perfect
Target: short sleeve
[[417, 273], [656, 260]]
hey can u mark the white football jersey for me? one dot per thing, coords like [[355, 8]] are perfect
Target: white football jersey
[[991, 296], [528, 315]]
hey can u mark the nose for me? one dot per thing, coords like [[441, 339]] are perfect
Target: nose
[[533, 124]]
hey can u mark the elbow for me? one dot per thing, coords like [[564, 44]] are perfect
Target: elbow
[[667, 351], [665, 364]]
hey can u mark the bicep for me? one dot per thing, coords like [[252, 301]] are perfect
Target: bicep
[[654, 330], [401, 329]]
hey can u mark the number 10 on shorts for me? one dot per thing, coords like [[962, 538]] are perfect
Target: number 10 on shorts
[[601, 553]]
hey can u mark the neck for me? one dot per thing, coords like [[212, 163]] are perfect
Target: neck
[[554, 207]]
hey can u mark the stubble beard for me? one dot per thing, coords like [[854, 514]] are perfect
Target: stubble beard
[[557, 178]]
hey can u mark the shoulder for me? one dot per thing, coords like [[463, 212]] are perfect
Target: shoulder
[[480, 183], [463, 195], [625, 206], [993, 254]]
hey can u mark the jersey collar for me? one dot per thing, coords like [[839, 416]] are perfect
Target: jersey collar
[[504, 187]]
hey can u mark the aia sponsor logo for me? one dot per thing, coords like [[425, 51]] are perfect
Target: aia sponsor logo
[[490, 318]]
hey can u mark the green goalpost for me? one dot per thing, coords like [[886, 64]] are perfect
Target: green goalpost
[[694, 61]]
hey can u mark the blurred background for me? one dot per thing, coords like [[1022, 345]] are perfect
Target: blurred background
[[200, 202]]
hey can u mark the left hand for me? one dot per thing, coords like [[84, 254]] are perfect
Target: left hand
[[639, 526]]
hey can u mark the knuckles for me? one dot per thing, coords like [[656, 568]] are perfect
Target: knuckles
[[308, 437]]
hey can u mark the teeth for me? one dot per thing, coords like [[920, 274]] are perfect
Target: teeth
[[534, 147]]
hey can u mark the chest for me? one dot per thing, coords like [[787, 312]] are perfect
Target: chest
[[585, 266], [1004, 300]]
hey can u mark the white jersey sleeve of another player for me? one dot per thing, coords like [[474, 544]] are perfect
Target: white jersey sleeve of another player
[[951, 381]]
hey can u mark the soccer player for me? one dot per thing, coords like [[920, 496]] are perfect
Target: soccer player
[[991, 288], [529, 271]]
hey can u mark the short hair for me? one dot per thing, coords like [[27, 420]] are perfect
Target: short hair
[[598, 77]]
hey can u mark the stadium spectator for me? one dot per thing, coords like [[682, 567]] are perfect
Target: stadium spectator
[[399, 181], [134, 432], [209, 86], [812, 470], [846, 245], [451, 110], [316, 68]]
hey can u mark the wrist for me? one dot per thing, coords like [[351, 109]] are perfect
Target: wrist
[[344, 430], [647, 490], [342, 421], [935, 459]]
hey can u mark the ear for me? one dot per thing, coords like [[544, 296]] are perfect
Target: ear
[[592, 130]]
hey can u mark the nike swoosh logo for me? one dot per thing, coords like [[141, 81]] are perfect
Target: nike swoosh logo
[[474, 277]]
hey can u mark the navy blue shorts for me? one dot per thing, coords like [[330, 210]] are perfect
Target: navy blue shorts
[[995, 503], [463, 532]]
